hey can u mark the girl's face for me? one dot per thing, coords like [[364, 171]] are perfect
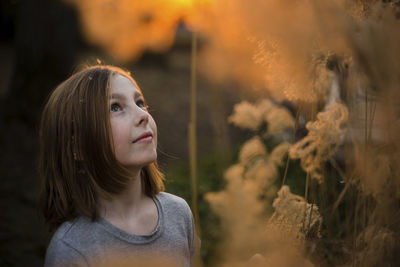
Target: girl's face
[[134, 131]]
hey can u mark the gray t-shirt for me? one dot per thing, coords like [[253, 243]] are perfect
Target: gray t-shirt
[[82, 242]]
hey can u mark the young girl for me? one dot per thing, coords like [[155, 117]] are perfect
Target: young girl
[[101, 189]]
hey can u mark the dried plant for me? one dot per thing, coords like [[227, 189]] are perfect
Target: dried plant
[[251, 149], [239, 204], [279, 152], [252, 116], [322, 141], [246, 116], [293, 215], [372, 244]]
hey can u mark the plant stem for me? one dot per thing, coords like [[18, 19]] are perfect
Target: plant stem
[[192, 133], [306, 199], [355, 228], [346, 187], [366, 118], [296, 124]]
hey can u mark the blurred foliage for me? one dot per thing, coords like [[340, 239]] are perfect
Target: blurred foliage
[[211, 168], [210, 172]]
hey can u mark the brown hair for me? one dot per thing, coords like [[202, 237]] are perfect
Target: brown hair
[[76, 160]]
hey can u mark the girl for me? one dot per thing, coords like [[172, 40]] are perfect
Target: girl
[[101, 189]]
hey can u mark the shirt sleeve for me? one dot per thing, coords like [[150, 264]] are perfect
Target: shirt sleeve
[[61, 254], [194, 240]]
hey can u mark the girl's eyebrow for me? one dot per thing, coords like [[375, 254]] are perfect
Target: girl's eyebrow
[[118, 96], [121, 96]]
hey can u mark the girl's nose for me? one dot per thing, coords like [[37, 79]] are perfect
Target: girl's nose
[[143, 117]]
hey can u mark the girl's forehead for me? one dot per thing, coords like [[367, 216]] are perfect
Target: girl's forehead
[[123, 85]]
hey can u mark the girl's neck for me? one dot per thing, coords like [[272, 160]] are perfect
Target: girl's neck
[[126, 204]]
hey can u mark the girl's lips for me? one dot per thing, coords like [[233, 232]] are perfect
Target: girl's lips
[[146, 137]]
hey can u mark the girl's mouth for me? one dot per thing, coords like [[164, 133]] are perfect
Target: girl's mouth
[[145, 137]]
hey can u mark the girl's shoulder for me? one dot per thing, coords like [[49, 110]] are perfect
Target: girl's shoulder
[[170, 198], [66, 243], [179, 215], [173, 204], [68, 230]]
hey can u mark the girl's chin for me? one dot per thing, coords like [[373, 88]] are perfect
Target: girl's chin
[[137, 165]]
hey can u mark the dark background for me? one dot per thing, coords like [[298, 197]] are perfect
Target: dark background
[[41, 44]]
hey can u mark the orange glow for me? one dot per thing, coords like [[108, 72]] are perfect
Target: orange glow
[[278, 46], [126, 28]]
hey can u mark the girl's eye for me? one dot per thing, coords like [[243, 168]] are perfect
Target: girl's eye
[[141, 104], [115, 107]]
